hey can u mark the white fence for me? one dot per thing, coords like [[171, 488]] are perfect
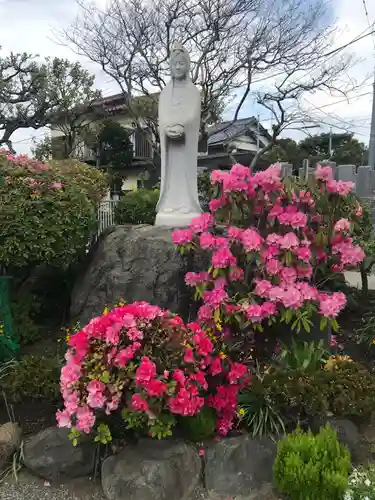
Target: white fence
[[106, 215]]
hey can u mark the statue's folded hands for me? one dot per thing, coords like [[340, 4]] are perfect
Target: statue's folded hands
[[175, 131]]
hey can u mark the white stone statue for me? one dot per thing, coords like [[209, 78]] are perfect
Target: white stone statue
[[179, 120]]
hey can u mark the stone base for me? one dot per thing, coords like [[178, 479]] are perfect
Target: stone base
[[135, 263], [175, 219]]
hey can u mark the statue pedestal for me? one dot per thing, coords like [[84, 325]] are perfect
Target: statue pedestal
[[175, 219]]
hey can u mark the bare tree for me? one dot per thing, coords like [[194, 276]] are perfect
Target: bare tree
[[234, 45], [23, 102], [35, 93], [284, 98], [75, 104], [230, 41]]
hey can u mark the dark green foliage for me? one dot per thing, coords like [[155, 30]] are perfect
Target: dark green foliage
[[309, 467], [137, 207], [204, 189], [258, 413], [201, 426], [302, 356], [345, 388], [32, 378], [351, 390], [115, 147]]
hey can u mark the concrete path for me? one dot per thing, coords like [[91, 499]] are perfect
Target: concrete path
[[32, 488], [354, 279]]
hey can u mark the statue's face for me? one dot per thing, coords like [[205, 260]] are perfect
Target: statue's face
[[179, 67]]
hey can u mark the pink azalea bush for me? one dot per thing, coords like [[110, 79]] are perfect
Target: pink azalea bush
[[269, 243], [48, 210], [143, 361]]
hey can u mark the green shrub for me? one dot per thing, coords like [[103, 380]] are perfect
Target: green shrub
[[24, 307], [309, 467], [32, 378], [137, 207], [48, 212], [201, 426]]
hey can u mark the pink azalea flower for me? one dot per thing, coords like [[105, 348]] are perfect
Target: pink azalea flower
[[202, 223], [331, 305], [262, 288], [138, 403], [323, 173], [254, 312], [215, 205], [292, 298], [182, 236], [268, 309], [341, 188], [193, 279], [237, 371], [251, 240], [273, 267], [223, 258], [217, 176], [85, 419], [288, 275], [241, 171], [342, 226], [207, 241], [145, 372], [156, 388], [63, 419], [234, 233], [289, 241]]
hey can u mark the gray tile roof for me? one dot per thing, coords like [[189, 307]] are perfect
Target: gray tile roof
[[225, 131]]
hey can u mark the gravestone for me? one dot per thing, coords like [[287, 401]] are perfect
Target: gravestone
[[346, 173], [286, 170], [364, 182], [179, 120]]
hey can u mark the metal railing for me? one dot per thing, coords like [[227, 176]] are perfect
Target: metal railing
[[106, 215]]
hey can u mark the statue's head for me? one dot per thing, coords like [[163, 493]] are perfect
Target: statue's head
[[180, 62]]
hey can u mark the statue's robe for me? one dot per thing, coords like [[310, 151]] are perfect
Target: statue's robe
[[179, 104]]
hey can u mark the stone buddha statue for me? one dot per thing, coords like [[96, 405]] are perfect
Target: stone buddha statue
[[179, 120]]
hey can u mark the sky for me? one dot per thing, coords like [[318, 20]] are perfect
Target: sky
[[28, 25]]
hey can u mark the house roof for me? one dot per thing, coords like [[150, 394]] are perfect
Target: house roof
[[225, 131]]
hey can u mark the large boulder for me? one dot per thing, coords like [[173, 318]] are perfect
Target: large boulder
[[134, 263], [239, 466], [152, 470], [51, 455]]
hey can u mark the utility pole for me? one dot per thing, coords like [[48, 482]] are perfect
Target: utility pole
[[371, 149], [330, 143], [258, 132]]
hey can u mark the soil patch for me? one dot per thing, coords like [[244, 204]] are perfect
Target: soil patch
[[32, 416]]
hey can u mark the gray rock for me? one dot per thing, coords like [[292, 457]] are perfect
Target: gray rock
[[347, 433], [239, 465], [10, 441], [134, 263], [51, 455], [152, 470]]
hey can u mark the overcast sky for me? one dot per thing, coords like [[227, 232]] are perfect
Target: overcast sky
[[27, 25]]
